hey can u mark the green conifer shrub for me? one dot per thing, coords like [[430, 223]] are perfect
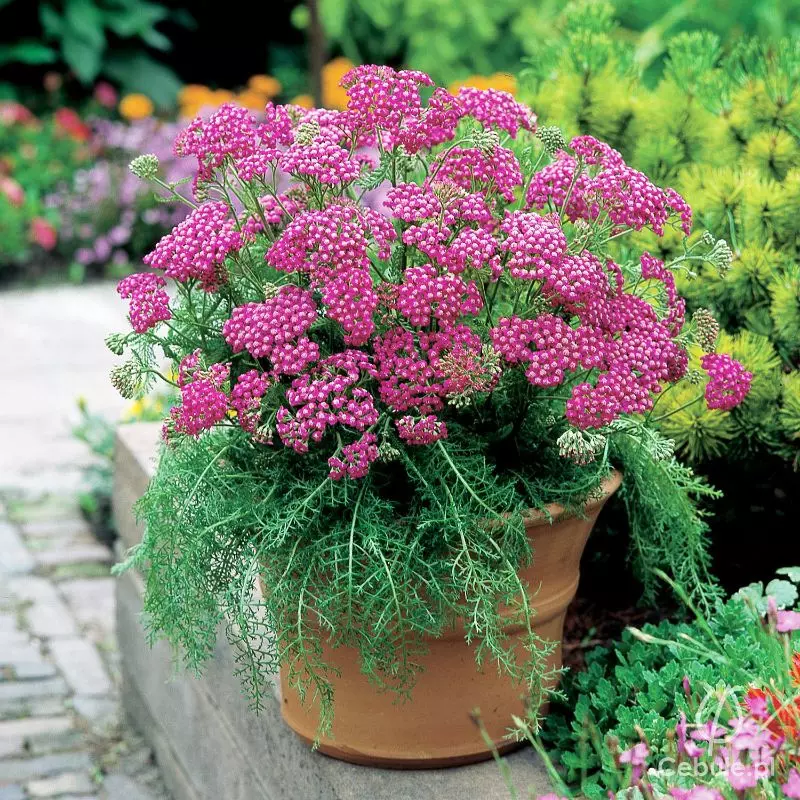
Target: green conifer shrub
[[723, 125]]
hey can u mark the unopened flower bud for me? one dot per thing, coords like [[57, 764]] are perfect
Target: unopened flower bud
[[145, 166], [552, 138], [486, 141], [721, 256], [271, 290], [695, 377], [707, 238], [126, 379], [706, 329], [116, 343], [306, 133], [264, 434], [447, 191], [201, 192], [388, 452], [579, 446]]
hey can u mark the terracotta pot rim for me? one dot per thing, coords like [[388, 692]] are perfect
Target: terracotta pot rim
[[555, 512]]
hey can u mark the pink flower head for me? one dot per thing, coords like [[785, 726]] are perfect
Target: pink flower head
[[788, 621], [229, 131], [423, 431], [197, 247], [426, 294], [105, 94], [729, 382], [278, 323], [380, 97], [326, 397], [636, 755], [203, 402], [696, 793], [685, 745], [246, 398], [12, 191], [536, 245], [475, 170], [493, 107], [757, 706], [709, 732], [149, 302], [323, 160], [594, 152], [791, 788], [552, 184], [356, 458], [677, 204], [43, 233], [772, 610], [741, 776], [630, 199], [435, 124]]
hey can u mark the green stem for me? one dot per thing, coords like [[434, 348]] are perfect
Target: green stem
[[679, 408]]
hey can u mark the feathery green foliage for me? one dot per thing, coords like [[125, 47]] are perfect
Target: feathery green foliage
[[376, 565]]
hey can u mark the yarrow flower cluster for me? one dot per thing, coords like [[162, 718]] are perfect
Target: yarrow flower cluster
[[729, 382], [149, 301], [352, 329]]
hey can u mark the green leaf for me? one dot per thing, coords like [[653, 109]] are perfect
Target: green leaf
[[27, 52], [123, 23], [785, 593], [51, 21], [183, 18], [85, 20], [137, 20], [793, 573], [333, 16], [155, 39], [137, 72], [82, 57], [300, 17]]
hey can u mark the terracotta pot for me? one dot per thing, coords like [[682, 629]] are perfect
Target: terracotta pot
[[434, 728]]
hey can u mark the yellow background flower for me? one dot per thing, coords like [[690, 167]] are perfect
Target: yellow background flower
[[303, 100], [136, 106], [255, 101], [333, 96], [500, 81], [265, 85]]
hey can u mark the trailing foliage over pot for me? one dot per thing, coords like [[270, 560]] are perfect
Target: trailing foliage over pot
[[723, 125], [370, 399]]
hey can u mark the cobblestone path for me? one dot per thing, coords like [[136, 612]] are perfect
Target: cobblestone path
[[61, 730]]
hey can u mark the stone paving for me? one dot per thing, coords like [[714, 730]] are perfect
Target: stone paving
[[53, 353], [61, 732]]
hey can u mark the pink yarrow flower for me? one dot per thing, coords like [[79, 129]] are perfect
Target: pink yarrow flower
[[728, 381], [149, 302], [788, 621]]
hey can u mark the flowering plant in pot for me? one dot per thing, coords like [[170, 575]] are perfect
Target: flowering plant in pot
[[402, 420]]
